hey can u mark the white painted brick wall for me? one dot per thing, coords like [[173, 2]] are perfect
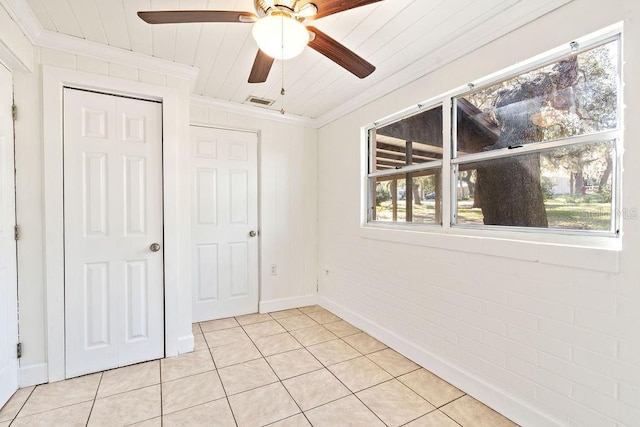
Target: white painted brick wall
[[554, 327]]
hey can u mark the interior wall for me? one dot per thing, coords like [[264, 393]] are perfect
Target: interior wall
[[288, 176], [30, 201], [288, 205], [545, 333]]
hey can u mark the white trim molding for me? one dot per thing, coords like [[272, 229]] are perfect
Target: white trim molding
[[62, 42], [287, 303], [257, 112], [175, 130], [24, 17], [32, 375], [500, 400]]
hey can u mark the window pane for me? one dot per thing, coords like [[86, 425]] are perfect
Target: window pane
[[563, 188], [414, 140], [575, 96], [395, 202]]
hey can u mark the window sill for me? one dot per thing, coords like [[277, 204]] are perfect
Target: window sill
[[585, 252]]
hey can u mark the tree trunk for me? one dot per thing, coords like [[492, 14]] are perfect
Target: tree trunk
[[416, 194], [476, 194], [517, 197], [580, 187], [509, 188], [606, 173]]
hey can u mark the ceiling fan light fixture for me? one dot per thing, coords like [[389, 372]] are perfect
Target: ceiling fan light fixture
[[280, 36]]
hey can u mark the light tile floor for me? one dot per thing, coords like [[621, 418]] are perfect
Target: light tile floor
[[291, 368]]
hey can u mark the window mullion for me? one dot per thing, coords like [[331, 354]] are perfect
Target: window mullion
[[447, 138], [407, 169], [538, 146]]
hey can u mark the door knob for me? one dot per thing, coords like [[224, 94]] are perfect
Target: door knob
[[252, 233], [155, 247]]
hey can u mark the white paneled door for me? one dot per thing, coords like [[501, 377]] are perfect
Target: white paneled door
[[114, 307], [8, 276], [224, 223]]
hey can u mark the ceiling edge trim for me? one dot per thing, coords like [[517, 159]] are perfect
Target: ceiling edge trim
[[77, 46], [24, 17], [424, 66], [247, 110]]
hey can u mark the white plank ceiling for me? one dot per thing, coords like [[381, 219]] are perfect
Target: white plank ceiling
[[394, 35]]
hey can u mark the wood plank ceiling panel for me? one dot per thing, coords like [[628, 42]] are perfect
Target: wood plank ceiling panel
[[325, 88], [41, 13], [206, 53], [115, 23], [343, 87], [209, 45], [449, 23], [230, 47], [239, 72], [435, 26], [164, 35], [188, 35], [63, 17], [140, 33], [88, 16], [400, 37]]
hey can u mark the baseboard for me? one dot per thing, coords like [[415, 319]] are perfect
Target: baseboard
[[516, 409], [287, 303], [33, 375], [185, 344]]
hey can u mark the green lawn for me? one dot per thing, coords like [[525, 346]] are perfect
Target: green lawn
[[563, 212]]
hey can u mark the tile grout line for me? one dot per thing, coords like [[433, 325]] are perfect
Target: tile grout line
[[22, 406], [95, 397], [224, 389], [276, 375], [326, 367]]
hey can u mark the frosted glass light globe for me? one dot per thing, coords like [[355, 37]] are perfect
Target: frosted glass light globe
[[280, 36]]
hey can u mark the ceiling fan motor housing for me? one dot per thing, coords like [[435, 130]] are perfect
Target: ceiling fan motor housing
[[263, 7]]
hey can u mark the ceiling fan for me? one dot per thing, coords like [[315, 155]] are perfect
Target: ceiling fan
[[280, 31]]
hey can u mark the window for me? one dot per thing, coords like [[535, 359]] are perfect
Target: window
[[536, 150], [406, 168]]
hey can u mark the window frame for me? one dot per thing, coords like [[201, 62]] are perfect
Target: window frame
[[450, 162], [407, 169]]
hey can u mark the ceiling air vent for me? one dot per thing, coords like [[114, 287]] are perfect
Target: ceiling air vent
[[260, 102]]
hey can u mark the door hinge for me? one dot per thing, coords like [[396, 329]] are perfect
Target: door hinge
[[19, 350], [16, 232], [14, 112]]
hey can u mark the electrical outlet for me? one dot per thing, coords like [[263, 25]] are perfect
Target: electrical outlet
[[274, 269]]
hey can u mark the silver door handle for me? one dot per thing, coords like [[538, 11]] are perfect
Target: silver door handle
[[155, 247], [252, 233]]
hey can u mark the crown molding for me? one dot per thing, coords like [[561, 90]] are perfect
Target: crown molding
[[24, 17], [256, 112], [65, 43]]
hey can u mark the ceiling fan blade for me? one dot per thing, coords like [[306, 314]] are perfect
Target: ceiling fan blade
[[188, 16], [261, 67], [329, 7], [340, 54]]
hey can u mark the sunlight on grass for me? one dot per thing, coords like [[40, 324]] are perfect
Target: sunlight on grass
[[563, 212]]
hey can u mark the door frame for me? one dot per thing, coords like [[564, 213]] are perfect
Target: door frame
[[175, 121], [13, 285]]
